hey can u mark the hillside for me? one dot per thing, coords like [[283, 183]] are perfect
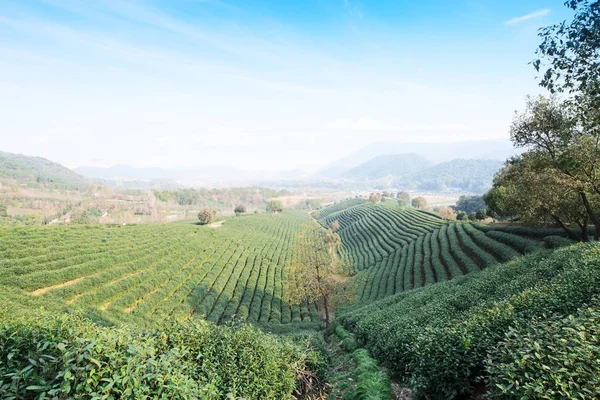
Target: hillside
[[435, 299], [394, 249], [146, 273], [37, 172], [413, 172], [467, 175], [387, 165], [435, 153], [449, 339]]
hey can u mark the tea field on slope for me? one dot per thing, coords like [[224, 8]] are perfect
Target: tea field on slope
[[392, 249], [145, 274]]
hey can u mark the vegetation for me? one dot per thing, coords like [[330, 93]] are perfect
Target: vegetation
[[146, 274], [274, 206], [470, 204], [437, 339], [239, 209], [318, 270], [548, 358], [560, 134], [38, 172], [419, 202], [206, 216], [71, 357]]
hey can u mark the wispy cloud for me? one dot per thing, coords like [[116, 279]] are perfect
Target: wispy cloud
[[527, 17], [353, 10]]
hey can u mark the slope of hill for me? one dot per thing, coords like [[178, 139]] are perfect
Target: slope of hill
[[445, 340], [147, 273], [387, 165], [469, 175], [442, 339], [393, 249], [38, 172], [433, 152]]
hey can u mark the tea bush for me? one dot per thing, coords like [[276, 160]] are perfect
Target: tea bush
[[548, 358], [435, 339], [67, 356]]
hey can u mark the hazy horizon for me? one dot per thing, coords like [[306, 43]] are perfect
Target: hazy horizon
[[255, 84]]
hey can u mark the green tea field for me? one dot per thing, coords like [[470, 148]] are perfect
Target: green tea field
[[147, 273]]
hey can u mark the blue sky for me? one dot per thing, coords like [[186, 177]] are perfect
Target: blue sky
[[259, 84]]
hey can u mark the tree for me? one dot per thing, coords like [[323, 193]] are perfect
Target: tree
[[419, 202], [3, 210], [239, 209], [334, 225], [472, 216], [494, 199], [274, 206], [375, 198], [570, 55], [563, 152], [206, 216], [318, 270], [481, 214], [461, 216], [469, 204], [553, 199], [447, 213], [403, 198]]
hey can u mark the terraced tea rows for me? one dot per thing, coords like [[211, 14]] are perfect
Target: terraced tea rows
[[149, 273], [394, 249]]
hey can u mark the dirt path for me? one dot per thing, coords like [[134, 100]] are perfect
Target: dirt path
[[60, 285], [217, 224]]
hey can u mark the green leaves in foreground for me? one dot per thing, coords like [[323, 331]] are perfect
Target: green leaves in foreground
[[70, 357], [549, 358]]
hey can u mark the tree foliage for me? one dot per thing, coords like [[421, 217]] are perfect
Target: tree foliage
[[318, 270], [274, 206], [470, 204], [556, 178], [239, 209], [206, 216], [419, 202]]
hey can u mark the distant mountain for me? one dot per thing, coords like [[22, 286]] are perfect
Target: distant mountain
[[38, 172], [435, 153], [387, 165], [465, 175], [188, 176]]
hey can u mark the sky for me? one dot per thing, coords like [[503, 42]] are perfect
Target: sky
[[259, 84]]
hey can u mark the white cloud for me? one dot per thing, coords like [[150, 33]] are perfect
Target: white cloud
[[527, 17], [372, 124]]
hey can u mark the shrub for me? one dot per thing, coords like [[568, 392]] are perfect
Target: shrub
[[548, 358], [435, 339], [371, 383], [206, 216], [554, 242], [239, 209], [70, 357]]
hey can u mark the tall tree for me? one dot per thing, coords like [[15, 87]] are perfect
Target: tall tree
[[274, 206], [533, 190], [550, 130], [317, 270], [569, 55], [419, 202]]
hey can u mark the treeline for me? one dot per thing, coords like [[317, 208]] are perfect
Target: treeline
[[556, 179], [242, 195], [38, 172]]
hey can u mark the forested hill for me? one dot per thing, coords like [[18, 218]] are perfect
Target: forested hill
[[388, 165], [470, 175], [411, 171], [37, 172]]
